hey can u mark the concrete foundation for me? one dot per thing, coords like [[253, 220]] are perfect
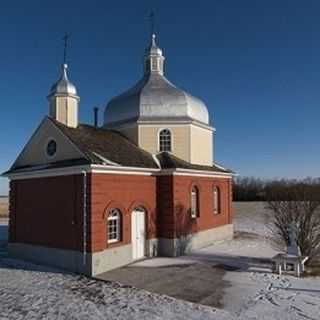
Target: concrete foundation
[[90, 264], [179, 246], [95, 263], [69, 260]]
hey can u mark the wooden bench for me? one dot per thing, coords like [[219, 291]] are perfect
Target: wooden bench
[[282, 260]]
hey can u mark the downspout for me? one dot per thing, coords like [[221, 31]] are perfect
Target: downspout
[[84, 253]]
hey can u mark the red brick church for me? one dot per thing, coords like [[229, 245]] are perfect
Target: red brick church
[[89, 199]]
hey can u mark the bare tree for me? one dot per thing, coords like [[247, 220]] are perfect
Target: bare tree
[[298, 203]]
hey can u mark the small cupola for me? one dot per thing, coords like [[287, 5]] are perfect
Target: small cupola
[[64, 101], [153, 60]]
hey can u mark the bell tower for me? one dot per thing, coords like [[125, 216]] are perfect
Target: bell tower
[[63, 98]]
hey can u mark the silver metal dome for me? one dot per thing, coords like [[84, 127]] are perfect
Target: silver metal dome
[[155, 98], [63, 85]]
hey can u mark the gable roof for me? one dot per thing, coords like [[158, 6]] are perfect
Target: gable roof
[[104, 146], [109, 147]]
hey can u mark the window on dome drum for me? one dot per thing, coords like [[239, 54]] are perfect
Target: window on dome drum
[[114, 226], [216, 200], [194, 202], [165, 143]]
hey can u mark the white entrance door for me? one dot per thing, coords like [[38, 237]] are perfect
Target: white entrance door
[[138, 233]]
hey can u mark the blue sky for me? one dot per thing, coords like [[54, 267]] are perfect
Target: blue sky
[[256, 64]]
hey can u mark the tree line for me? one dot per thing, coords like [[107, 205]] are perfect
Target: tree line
[[291, 203], [256, 189]]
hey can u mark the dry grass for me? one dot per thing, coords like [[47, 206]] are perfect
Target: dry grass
[[313, 270], [4, 207]]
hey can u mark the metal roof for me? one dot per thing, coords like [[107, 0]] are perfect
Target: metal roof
[[63, 85], [154, 97]]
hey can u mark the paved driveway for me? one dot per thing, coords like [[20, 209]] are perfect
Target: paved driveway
[[200, 277], [181, 278]]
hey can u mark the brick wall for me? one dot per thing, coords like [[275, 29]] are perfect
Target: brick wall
[[182, 186], [47, 212], [124, 192], [165, 200]]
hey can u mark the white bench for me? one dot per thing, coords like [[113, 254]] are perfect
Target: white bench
[[282, 260]]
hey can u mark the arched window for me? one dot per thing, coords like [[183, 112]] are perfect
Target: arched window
[[165, 140], [194, 202], [114, 226], [216, 200]]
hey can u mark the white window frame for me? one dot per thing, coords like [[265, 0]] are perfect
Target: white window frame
[[216, 200], [114, 215], [194, 202], [171, 139]]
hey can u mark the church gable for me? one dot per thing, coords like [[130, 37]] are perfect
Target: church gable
[[47, 145]]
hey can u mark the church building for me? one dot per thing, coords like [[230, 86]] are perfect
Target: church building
[[89, 199]]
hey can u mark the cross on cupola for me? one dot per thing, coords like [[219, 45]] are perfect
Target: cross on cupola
[[65, 40], [154, 60], [63, 97]]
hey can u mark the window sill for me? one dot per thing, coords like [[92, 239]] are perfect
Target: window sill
[[113, 241], [114, 244]]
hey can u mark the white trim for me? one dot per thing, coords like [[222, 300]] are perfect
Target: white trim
[[134, 173], [105, 160], [159, 123], [203, 172], [98, 167], [190, 143], [131, 170], [208, 128], [220, 167], [139, 136], [214, 175], [84, 223], [114, 215], [107, 169], [48, 173], [156, 160], [112, 241]]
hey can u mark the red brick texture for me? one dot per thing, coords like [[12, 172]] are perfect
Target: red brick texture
[[124, 192], [49, 211], [182, 186]]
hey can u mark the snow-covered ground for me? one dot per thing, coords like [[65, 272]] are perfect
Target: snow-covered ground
[[257, 293], [33, 292], [254, 292]]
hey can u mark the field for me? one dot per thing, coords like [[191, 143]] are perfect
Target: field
[[3, 207]]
